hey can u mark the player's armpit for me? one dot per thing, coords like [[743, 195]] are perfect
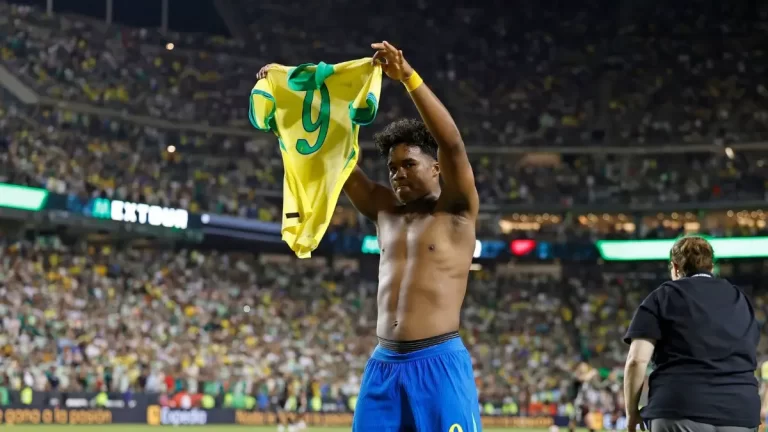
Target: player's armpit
[[458, 179], [368, 197]]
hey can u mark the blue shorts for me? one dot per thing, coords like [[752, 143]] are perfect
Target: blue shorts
[[429, 390]]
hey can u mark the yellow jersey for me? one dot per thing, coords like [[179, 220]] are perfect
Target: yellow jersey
[[316, 112]]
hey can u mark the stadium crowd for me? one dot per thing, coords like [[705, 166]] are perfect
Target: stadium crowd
[[591, 79], [96, 317], [652, 90], [81, 154], [92, 317]]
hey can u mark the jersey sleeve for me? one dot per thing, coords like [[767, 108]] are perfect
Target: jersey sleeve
[[261, 110], [646, 324], [365, 106]]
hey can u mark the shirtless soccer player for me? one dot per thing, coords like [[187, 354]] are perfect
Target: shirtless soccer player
[[420, 376]]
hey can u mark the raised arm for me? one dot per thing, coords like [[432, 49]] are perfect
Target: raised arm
[[368, 197], [458, 178]]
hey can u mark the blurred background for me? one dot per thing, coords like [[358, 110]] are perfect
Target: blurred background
[[140, 255]]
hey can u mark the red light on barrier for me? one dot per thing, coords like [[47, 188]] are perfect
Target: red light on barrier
[[522, 247]]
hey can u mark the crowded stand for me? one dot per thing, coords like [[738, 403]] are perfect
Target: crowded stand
[[167, 84], [91, 317], [121, 160], [591, 80]]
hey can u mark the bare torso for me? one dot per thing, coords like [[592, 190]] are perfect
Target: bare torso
[[423, 271]]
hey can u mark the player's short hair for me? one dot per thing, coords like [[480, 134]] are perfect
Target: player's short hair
[[406, 131], [692, 254]]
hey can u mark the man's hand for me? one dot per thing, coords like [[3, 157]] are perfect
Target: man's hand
[[263, 71], [392, 61], [633, 420]]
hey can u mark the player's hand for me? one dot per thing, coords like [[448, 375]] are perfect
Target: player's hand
[[634, 420], [392, 61], [263, 71]]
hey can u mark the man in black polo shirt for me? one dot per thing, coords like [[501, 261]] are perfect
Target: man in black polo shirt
[[701, 333]]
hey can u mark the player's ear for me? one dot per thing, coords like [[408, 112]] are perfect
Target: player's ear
[[435, 169]]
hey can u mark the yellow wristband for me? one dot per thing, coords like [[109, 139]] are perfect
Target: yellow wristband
[[413, 82]]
